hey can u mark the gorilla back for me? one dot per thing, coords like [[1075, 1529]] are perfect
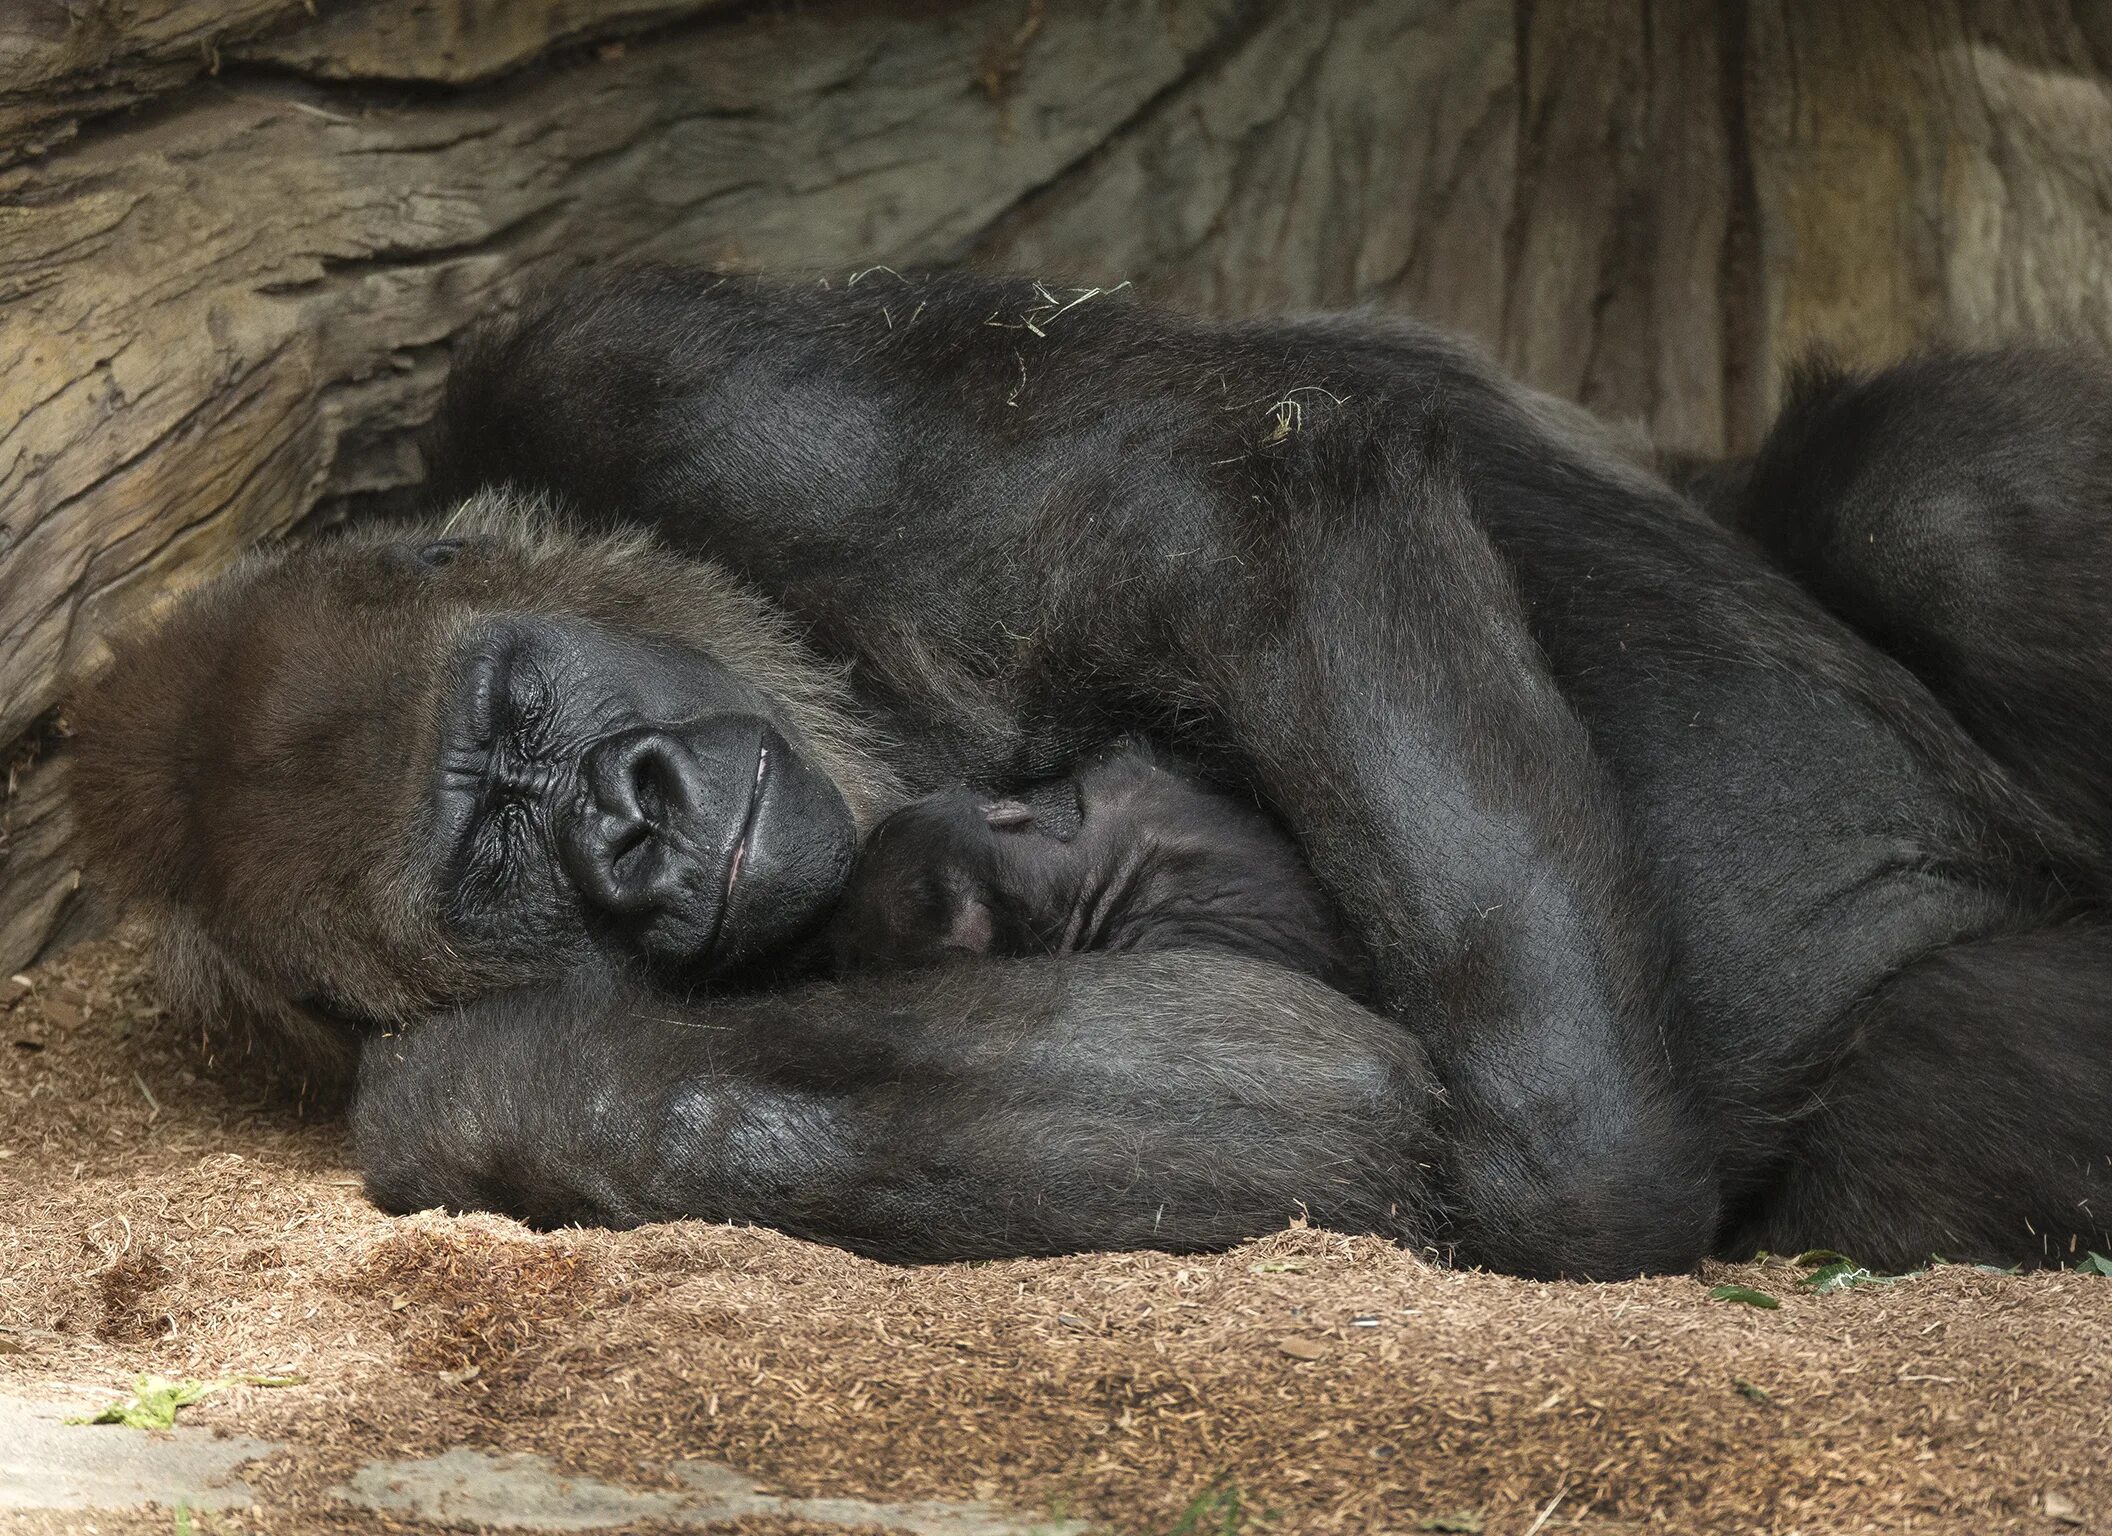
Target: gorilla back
[[1656, 859]]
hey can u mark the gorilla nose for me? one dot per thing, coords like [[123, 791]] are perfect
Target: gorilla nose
[[644, 837], [714, 845]]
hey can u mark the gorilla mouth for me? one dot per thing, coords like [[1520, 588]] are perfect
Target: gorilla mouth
[[742, 838], [788, 860]]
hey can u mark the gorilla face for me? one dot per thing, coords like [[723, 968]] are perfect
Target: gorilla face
[[589, 779], [357, 779]]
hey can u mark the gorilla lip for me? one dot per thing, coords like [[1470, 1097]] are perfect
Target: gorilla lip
[[740, 842], [740, 850]]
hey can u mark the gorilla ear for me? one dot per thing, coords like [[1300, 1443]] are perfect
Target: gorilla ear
[[141, 742]]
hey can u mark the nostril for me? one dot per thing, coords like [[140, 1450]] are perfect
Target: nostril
[[616, 860], [632, 776], [653, 786], [624, 836]]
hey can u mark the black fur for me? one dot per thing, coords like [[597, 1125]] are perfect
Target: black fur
[[1130, 855], [988, 1109], [1701, 909], [1639, 834], [1957, 511]]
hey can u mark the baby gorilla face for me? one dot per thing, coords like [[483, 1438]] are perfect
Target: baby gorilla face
[[1132, 854]]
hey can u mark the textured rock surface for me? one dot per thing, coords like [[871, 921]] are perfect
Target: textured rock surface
[[236, 237]]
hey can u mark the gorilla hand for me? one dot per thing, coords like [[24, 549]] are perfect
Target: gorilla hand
[[1016, 1107]]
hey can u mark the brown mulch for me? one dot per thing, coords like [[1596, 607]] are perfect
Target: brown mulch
[[159, 1211]]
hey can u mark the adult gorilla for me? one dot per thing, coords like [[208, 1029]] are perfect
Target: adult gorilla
[[1698, 920]]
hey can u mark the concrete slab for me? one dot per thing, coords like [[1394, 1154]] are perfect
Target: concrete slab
[[523, 1492], [49, 1465], [46, 1463]]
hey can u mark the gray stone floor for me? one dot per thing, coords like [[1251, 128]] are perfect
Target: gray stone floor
[[47, 1465]]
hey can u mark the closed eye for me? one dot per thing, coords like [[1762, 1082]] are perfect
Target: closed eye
[[477, 711], [489, 860]]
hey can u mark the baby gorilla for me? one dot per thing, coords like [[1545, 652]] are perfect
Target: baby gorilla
[[1131, 854]]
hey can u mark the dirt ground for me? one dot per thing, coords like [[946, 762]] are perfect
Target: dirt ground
[[160, 1213]]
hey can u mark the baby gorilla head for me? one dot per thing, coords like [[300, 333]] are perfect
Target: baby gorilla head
[[1132, 854]]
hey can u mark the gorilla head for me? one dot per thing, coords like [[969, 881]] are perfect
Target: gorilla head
[[1134, 853], [359, 778]]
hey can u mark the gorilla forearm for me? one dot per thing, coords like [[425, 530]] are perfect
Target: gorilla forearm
[[1484, 848], [1104, 1102]]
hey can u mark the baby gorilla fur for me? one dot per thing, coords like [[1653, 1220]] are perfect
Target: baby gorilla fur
[[1134, 853]]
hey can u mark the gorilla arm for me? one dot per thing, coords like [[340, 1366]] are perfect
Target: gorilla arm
[[1110, 527], [1408, 730], [1019, 1107]]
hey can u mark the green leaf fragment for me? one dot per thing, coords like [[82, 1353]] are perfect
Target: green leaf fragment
[[1745, 1295], [153, 1404], [1216, 1511], [1841, 1275], [2095, 1263], [156, 1400], [1846, 1275]]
